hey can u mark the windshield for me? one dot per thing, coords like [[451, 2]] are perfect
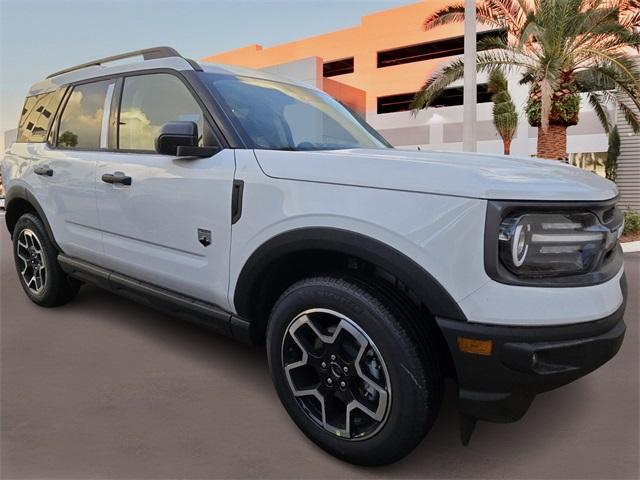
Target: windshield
[[280, 116]]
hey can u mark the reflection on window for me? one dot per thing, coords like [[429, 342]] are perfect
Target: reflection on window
[[282, 116], [46, 109], [23, 132], [37, 115], [593, 161], [150, 101], [81, 120]]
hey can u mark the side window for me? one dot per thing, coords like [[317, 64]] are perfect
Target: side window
[[150, 101], [83, 122], [37, 114], [24, 127]]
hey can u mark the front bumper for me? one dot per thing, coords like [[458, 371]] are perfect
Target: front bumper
[[525, 361]]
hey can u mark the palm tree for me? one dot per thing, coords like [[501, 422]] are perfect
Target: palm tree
[[505, 117], [561, 48], [613, 152]]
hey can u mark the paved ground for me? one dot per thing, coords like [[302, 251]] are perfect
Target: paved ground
[[105, 388]]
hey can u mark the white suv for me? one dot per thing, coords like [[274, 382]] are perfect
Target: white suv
[[266, 210]]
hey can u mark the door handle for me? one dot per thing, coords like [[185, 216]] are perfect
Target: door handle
[[43, 170], [116, 177]]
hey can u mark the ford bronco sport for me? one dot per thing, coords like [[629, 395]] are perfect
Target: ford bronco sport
[[264, 209]]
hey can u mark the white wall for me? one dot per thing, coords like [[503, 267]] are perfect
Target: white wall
[[441, 128]]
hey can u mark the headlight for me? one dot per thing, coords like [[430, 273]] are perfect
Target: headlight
[[552, 244]]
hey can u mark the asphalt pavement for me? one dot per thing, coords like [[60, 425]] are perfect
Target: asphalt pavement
[[106, 388]]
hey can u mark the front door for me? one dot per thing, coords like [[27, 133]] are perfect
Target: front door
[[166, 220]]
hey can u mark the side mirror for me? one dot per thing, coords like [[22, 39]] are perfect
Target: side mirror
[[176, 134]]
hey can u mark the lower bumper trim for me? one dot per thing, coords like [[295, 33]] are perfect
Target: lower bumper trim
[[526, 361]]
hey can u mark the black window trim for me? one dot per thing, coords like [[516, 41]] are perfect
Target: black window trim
[[216, 132]]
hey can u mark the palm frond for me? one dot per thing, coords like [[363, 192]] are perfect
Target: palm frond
[[623, 84], [498, 13], [453, 13], [621, 67], [596, 101], [558, 46], [630, 117], [454, 71]]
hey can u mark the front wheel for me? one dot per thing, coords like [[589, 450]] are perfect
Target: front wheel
[[348, 372]]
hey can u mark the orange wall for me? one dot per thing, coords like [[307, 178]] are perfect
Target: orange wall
[[379, 31]]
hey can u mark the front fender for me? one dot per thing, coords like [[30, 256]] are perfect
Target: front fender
[[421, 282]]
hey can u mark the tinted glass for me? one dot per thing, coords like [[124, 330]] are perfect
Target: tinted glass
[[150, 101], [337, 67], [82, 117], [446, 47], [450, 97], [281, 116], [37, 115]]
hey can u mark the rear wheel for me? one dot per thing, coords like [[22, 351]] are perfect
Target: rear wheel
[[36, 261], [348, 372]]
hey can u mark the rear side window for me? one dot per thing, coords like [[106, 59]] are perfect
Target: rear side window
[[150, 101], [37, 115], [82, 124]]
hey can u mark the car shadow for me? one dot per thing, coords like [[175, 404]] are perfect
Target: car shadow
[[495, 450]]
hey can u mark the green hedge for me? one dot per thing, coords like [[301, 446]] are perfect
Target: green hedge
[[631, 222]]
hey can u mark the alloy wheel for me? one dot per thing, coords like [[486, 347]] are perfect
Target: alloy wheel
[[336, 374], [33, 268]]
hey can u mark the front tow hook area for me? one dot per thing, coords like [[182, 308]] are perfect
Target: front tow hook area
[[501, 369]]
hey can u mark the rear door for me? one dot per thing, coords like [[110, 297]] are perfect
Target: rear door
[[152, 224], [59, 161], [27, 156], [79, 140]]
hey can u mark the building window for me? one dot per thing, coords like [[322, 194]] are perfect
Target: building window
[[429, 50], [337, 67], [450, 97]]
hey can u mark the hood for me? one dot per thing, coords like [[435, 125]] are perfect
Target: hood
[[473, 175]]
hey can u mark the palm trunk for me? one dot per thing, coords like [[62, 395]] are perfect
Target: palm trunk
[[507, 147], [552, 144]]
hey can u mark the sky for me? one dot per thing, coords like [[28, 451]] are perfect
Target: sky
[[40, 37]]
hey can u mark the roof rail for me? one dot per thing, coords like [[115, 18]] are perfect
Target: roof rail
[[147, 54]]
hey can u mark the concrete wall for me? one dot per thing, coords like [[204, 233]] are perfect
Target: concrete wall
[[441, 128]]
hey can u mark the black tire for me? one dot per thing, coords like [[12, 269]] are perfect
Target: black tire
[[414, 383], [56, 288]]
